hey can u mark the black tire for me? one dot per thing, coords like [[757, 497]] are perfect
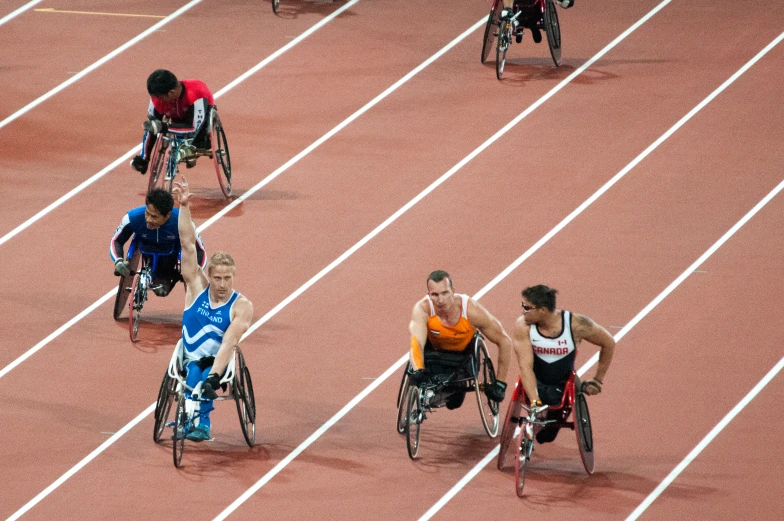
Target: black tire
[[163, 405], [484, 375], [490, 29], [553, 30], [403, 383], [582, 420], [124, 286], [402, 408], [158, 164], [220, 154], [245, 400], [504, 39], [180, 424], [524, 449], [413, 421], [275, 5]]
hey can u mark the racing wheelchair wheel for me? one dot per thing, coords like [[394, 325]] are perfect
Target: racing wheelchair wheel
[[524, 450], [163, 405], [504, 39], [220, 154], [180, 426], [275, 5], [582, 420], [135, 304], [125, 285], [246, 401], [492, 21], [553, 30], [402, 402], [511, 423], [158, 162], [484, 375], [414, 416]]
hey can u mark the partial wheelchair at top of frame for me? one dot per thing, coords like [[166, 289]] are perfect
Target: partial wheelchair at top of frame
[[170, 150], [519, 428], [236, 384], [539, 15], [473, 372]]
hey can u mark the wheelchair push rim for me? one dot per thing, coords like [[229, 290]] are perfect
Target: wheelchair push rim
[[413, 421], [245, 399], [523, 455], [180, 426], [135, 308], [582, 420], [125, 286], [163, 405], [221, 158], [402, 408], [490, 33], [552, 29], [484, 376], [510, 425]]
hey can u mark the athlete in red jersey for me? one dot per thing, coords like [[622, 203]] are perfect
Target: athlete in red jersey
[[186, 103]]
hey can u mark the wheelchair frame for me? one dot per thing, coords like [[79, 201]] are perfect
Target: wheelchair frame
[[173, 387], [168, 148], [413, 402], [516, 425]]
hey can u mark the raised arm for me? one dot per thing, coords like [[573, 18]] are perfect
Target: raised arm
[[525, 358], [583, 328], [194, 277], [418, 329], [491, 328]]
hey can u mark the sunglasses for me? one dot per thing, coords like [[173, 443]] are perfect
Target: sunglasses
[[528, 308]]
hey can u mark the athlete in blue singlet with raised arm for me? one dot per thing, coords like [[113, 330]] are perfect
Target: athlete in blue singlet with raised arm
[[215, 316]]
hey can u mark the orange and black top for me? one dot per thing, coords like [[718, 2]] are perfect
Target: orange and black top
[[450, 338]]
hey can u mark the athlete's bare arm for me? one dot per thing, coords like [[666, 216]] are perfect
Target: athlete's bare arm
[[525, 358], [491, 328], [418, 329], [192, 274], [241, 319], [583, 328]]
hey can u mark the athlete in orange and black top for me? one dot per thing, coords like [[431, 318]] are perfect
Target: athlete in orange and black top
[[545, 342], [186, 103], [445, 322]]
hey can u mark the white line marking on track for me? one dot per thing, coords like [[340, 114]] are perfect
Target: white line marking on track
[[647, 309], [706, 441], [73, 79], [18, 11], [125, 157], [361, 243]]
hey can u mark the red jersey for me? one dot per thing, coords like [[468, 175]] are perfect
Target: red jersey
[[186, 112]]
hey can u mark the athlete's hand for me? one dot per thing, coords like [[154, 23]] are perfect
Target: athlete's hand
[[496, 391], [122, 267], [181, 191], [418, 377], [155, 126], [591, 387]]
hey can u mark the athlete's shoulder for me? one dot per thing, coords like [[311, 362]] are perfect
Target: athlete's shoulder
[[196, 89], [521, 327]]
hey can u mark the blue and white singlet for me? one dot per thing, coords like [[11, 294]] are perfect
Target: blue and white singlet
[[203, 325]]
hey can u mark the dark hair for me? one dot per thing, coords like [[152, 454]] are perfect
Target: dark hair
[[161, 200], [540, 296], [161, 82], [438, 276]]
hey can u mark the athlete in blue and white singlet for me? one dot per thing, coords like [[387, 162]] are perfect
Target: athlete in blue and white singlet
[[203, 325]]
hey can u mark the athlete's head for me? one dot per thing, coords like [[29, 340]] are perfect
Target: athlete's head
[[220, 272], [539, 296], [164, 85], [439, 288], [159, 207]]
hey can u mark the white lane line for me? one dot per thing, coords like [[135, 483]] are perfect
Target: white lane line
[[706, 441], [125, 157], [262, 183], [386, 223], [73, 79], [18, 11]]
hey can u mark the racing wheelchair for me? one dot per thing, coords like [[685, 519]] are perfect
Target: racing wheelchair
[[538, 14], [519, 429], [170, 150], [468, 372], [236, 385], [138, 283]]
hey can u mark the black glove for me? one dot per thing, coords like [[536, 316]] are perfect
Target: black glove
[[496, 391], [210, 386], [139, 164], [418, 377]]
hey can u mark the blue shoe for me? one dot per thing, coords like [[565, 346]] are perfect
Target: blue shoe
[[200, 433]]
